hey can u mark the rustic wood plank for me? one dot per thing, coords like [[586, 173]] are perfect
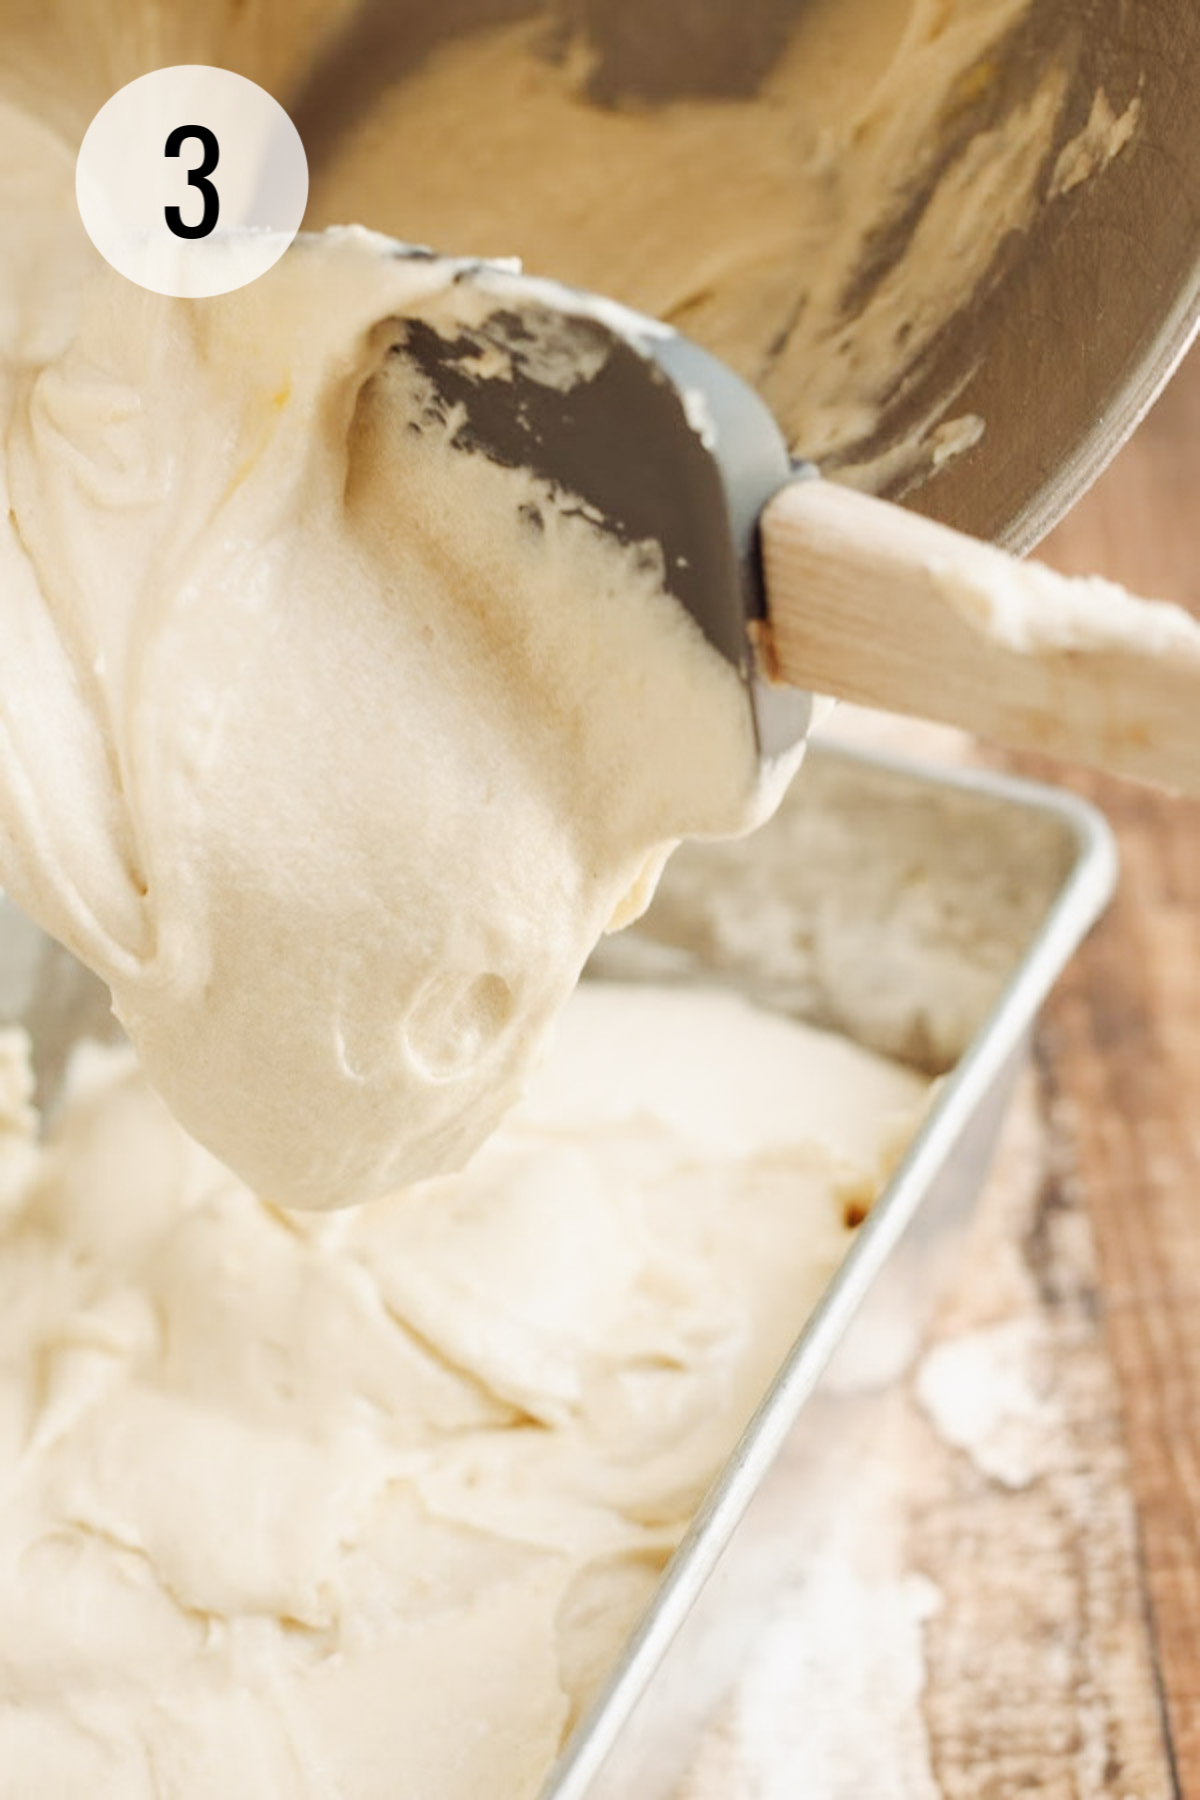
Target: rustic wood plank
[[1041, 1669], [1122, 1047]]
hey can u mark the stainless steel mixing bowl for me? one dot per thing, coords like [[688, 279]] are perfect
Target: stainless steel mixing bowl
[[1081, 319], [1093, 310]]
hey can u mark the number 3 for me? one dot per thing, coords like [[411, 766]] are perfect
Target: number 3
[[197, 178]]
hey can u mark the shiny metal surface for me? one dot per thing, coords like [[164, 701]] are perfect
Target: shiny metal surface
[[1094, 309], [747, 1545], [1083, 317]]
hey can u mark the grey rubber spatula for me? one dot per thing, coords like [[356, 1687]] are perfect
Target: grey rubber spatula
[[804, 586]]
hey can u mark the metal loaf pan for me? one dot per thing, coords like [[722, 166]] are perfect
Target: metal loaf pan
[[926, 913], [923, 913]]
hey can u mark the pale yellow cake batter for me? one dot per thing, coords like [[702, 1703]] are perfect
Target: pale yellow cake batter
[[296, 1506]]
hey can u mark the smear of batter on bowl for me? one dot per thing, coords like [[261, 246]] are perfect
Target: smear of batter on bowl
[[817, 233]]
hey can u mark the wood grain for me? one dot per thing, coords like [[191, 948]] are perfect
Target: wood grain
[[1041, 1674], [1065, 1660], [1122, 1051]]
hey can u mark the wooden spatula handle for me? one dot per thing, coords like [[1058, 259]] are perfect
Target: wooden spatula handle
[[873, 603]]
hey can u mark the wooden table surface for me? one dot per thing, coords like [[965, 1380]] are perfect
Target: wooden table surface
[[1065, 1657], [1119, 1074], [1007, 1599]]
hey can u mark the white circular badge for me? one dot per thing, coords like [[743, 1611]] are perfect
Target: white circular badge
[[192, 181]]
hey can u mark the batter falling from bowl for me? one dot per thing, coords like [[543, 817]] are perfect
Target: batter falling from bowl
[[331, 751]]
